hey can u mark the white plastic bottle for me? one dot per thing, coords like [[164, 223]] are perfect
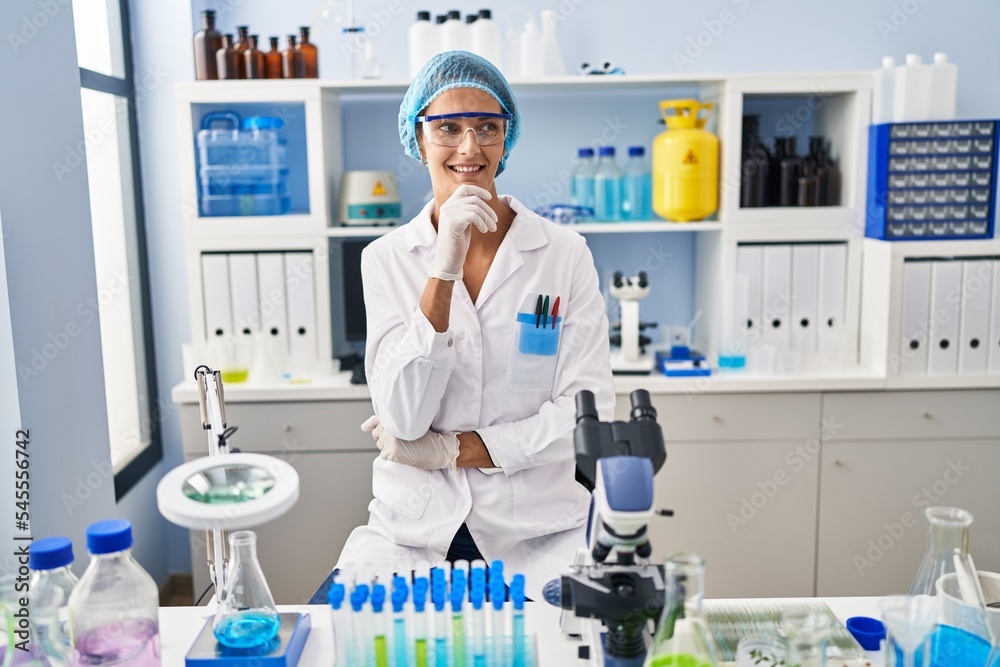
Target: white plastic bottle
[[607, 186], [912, 101], [944, 88], [454, 33], [421, 42], [554, 64], [114, 609], [532, 52], [512, 51], [49, 560], [486, 38], [883, 92]]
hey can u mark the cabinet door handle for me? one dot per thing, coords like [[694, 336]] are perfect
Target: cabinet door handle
[[717, 419], [928, 416], [838, 463], [286, 428]]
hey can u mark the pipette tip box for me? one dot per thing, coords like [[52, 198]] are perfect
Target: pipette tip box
[[284, 651]]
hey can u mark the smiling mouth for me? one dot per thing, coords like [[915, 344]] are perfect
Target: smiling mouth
[[463, 169]]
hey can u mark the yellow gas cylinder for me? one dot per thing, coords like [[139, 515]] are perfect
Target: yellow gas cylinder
[[685, 163]]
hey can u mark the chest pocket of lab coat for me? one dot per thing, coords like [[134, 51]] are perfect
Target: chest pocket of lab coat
[[401, 488], [533, 354]]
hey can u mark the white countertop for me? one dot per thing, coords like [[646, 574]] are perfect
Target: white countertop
[[180, 625]]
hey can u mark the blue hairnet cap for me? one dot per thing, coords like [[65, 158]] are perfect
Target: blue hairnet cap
[[456, 69]]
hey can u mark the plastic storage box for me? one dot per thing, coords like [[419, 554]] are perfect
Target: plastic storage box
[[931, 180], [243, 166]]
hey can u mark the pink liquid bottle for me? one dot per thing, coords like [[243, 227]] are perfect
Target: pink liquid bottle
[[113, 610]]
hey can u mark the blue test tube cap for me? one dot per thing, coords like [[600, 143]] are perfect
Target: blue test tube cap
[[477, 595], [335, 596], [399, 584], [457, 590], [378, 598], [517, 591], [438, 597], [363, 591], [420, 586]]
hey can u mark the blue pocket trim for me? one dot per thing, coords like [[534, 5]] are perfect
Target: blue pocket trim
[[543, 341]]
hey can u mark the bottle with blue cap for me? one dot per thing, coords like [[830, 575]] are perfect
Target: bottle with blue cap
[[607, 186], [50, 559], [582, 184], [637, 203], [113, 610]]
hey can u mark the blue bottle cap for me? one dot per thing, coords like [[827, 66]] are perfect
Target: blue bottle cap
[[335, 596], [438, 597], [606, 151], [636, 151], [478, 577], [420, 586], [477, 595], [457, 590], [107, 537], [378, 598], [357, 600], [498, 595], [868, 631], [363, 592], [517, 591], [584, 152], [50, 553]]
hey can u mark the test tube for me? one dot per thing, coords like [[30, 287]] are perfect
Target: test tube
[[457, 617], [439, 598], [363, 635], [498, 595], [477, 595], [421, 622], [335, 596], [400, 592], [380, 626], [517, 598]]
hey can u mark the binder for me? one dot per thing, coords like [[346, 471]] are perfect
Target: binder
[[301, 293], [974, 328], [832, 295], [273, 302], [243, 293], [215, 288], [916, 308], [994, 355], [805, 297], [946, 303], [749, 262], [776, 296]]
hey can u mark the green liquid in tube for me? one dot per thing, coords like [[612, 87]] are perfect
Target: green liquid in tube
[[381, 652], [421, 652], [680, 660], [235, 375], [458, 633]]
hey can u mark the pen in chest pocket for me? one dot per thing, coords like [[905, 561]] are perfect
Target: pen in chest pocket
[[555, 312]]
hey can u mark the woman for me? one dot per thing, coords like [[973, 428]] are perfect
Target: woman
[[475, 403]]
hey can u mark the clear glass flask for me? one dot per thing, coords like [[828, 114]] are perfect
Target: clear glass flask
[[948, 530], [683, 636], [246, 616], [806, 633]]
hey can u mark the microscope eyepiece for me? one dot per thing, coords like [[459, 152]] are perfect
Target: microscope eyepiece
[[618, 278], [586, 406], [643, 279], [642, 406]]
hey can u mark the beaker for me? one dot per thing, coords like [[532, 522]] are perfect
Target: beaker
[[948, 531], [683, 636], [909, 621], [246, 616], [806, 633]]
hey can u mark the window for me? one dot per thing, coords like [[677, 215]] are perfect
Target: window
[[109, 121]]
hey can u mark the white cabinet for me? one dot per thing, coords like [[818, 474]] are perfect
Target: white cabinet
[[888, 456], [741, 476]]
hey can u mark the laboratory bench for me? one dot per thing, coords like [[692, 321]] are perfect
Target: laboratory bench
[[180, 625], [825, 487]]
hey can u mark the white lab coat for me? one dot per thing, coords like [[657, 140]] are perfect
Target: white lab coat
[[531, 512]]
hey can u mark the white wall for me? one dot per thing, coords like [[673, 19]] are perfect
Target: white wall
[[641, 36]]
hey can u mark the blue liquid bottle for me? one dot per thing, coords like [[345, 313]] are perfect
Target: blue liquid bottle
[[607, 186], [636, 187], [583, 178]]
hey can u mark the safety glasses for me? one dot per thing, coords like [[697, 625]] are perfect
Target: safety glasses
[[449, 129]]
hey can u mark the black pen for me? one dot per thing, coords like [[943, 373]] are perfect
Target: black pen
[[538, 311], [545, 312]]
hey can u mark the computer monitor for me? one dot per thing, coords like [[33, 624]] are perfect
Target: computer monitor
[[347, 296]]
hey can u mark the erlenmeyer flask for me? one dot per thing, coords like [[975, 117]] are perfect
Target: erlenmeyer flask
[[683, 637], [246, 617], [948, 530]]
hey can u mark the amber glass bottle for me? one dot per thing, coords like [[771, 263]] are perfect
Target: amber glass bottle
[[253, 60], [207, 42], [272, 61], [242, 44], [226, 59], [310, 54], [291, 61]]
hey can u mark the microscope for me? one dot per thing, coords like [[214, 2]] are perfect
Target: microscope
[[612, 591], [631, 358]]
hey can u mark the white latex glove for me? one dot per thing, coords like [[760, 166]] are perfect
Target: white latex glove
[[431, 451], [465, 207]]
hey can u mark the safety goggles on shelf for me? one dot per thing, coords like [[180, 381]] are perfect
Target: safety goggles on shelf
[[449, 129]]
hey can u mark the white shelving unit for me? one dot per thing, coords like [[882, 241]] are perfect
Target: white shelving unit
[[836, 104]]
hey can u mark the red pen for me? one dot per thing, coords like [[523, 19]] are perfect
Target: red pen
[[555, 311]]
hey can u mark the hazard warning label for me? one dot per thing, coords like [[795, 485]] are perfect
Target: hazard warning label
[[379, 190], [690, 157]]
